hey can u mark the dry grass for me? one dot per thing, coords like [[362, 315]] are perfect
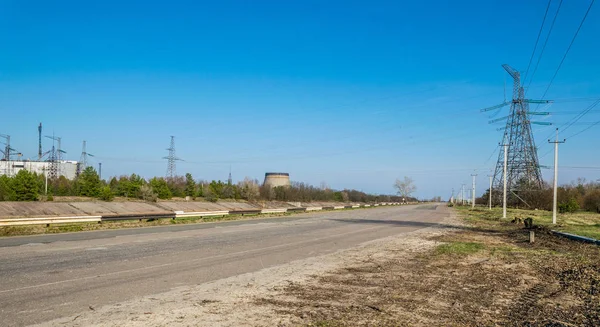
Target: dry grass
[[580, 223]]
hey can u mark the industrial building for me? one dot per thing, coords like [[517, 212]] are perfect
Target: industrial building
[[277, 179], [54, 165], [63, 168]]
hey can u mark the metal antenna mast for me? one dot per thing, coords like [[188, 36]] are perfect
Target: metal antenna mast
[[229, 180], [523, 167], [40, 154], [171, 158]]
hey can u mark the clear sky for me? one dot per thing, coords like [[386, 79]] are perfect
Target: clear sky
[[351, 93]]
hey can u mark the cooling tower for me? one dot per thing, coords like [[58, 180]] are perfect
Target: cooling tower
[[277, 179]]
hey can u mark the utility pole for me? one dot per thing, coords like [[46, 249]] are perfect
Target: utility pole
[[473, 192], [556, 142], [100, 170], [490, 195], [452, 197], [462, 195], [505, 146]]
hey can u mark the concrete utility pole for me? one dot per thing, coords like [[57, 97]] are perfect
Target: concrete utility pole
[[505, 146], [462, 194], [473, 192], [556, 142], [490, 195], [100, 170]]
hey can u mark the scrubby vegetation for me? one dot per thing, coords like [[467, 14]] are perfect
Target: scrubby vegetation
[[26, 186], [577, 195]]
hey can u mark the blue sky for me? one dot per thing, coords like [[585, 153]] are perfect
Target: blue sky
[[352, 93]]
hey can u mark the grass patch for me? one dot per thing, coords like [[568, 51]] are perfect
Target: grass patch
[[459, 248], [579, 223]]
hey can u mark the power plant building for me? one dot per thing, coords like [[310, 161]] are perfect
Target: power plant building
[[12, 167], [277, 179]]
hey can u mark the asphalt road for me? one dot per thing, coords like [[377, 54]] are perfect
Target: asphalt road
[[51, 276]]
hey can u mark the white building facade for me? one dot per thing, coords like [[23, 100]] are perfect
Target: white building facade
[[12, 167]]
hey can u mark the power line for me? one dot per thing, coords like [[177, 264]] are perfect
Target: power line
[[568, 48], [578, 117], [545, 43], [537, 40], [585, 129]]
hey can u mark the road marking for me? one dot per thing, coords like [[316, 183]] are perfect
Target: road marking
[[188, 261]]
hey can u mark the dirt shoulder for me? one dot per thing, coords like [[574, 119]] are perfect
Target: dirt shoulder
[[484, 273]]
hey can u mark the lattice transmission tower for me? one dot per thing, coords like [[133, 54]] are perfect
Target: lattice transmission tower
[[83, 160], [523, 169], [171, 159], [55, 158]]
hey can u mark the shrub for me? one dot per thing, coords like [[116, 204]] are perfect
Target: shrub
[[591, 201], [570, 206], [106, 194], [147, 193]]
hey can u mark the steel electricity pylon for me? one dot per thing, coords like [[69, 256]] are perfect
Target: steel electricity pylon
[[523, 169], [83, 160], [171, 159], [55, 159]]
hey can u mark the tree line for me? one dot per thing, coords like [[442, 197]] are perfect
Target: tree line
[[577, 195], [29, 186]]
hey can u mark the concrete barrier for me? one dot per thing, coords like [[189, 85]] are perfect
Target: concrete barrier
[[314, 208], [296, 209], [245, 212], [134, 216], [160, 215], [284, 210], [181, 214], [48, 220], [577, 237]]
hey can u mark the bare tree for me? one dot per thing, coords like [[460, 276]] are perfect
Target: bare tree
[[405, 187], [249, 189]]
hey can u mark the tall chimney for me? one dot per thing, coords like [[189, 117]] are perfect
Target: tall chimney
[[40, 142]]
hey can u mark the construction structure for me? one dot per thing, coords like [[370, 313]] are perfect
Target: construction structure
[[277, 179], [523, 169]]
